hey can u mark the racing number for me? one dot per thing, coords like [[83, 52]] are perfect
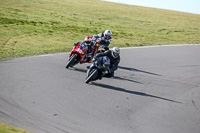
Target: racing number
[[79, 50]]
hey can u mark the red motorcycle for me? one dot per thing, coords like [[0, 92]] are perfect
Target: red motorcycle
[[79, 54]]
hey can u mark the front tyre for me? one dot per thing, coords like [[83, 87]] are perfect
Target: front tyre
[[71, 61], [92, 76]]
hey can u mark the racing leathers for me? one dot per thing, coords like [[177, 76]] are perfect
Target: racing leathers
[[104, 41], [113, 62], [92, 50]]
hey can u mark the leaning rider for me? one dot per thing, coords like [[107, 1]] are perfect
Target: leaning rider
[[92, 49], [105, 39], [114, 57]]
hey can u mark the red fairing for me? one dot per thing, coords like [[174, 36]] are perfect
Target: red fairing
[[96, 47], [78, 50]]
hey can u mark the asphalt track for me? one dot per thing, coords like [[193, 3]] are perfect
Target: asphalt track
[[155, 90]]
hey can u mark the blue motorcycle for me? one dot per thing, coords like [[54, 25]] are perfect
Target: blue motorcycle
[[98, 69]]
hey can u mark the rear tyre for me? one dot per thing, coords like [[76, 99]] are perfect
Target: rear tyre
[[92, 76], [71, 61]]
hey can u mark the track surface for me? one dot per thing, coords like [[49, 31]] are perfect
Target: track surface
[[155, 90]]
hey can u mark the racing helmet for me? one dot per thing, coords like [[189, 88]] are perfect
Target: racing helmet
[[88, 40], [107, 34], [115, 52]]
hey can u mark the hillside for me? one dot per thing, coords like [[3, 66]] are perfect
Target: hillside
[[32, 27]]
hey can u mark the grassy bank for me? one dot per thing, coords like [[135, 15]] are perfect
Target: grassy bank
[[32, 27], [4, 128]]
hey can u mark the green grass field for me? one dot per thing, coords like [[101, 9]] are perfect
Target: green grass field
[[4, 128], [33, 27]]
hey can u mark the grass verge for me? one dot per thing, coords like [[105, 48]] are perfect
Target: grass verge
[[33, 27], [4, 128]]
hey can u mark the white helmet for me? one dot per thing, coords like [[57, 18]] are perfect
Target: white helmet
[[88, 40], [107, 34], [115, 52]]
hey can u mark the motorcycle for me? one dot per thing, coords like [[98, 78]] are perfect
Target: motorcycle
[[98, 69], [77, 54], [98, 40]]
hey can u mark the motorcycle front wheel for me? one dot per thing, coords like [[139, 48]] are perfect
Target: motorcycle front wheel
[[92, 76], [71, 61]]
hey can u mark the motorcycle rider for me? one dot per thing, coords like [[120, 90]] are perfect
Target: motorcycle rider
[[114, 57], [91, 48], [105, 39]]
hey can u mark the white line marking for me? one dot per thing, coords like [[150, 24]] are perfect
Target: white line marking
[[175, 45]]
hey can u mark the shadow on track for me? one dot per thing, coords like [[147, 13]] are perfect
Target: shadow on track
[[126, 79], [78, 69], [137, 70], [131, 92]]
